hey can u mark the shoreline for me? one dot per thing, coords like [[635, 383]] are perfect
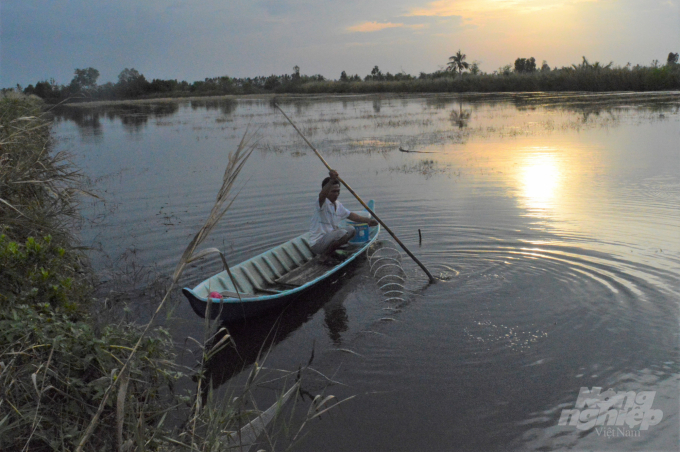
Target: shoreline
[[525, 95]]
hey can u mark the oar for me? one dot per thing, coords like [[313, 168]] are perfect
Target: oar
[[361, 201]]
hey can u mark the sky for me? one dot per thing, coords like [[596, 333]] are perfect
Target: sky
[[194, 39]]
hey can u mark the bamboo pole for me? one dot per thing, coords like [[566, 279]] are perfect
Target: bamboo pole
[[361, 201]]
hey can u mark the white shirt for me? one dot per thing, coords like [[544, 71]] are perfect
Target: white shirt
[[326, 219]]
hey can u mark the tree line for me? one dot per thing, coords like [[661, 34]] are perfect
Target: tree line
[[458, 75]]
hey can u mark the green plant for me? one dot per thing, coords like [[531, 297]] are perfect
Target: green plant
[[41, 271], [525, 65]]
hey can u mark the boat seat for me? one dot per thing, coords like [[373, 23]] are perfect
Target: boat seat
[[307, 272]]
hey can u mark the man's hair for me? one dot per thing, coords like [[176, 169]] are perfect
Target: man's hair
[[325, 181]]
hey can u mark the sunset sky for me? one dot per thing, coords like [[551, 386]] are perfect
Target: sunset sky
[[192, 39]]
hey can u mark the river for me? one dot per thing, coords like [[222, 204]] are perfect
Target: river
[[551, 220]]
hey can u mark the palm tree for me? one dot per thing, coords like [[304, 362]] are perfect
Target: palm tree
[[595, 66], [456, 62]]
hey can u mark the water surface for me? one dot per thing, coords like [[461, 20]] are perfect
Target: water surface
[[552, 221]]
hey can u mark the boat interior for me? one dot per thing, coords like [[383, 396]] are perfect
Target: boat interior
[[289, 265]]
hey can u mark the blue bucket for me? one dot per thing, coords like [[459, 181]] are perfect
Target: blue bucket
[[362, 233]]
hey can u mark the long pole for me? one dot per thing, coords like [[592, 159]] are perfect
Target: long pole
[[361, 201]]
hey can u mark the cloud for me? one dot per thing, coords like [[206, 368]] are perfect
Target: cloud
[[445, 8], [368, 27], [467, 8]]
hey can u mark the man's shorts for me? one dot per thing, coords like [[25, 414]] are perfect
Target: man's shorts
[[325, 242]]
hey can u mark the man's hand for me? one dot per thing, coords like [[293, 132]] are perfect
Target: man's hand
[[359, 219], [326, 190]]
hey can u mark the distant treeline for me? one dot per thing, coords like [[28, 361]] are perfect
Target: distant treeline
[[458, 77]]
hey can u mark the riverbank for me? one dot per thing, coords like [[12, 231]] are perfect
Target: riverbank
[[517, 97], [56, 358]]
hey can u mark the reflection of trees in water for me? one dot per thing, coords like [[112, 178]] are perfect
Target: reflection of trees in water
[[473, 102], [459, 118], [587, 112], [610, 111], [300, 105], [440, 102], [225, 106], [133, 116], [596, 103], [87, 121], [601, 109]]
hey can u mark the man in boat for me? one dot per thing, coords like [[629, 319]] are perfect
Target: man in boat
[[326, 235]]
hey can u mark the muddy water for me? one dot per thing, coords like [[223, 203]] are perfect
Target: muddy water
[[552, 221]]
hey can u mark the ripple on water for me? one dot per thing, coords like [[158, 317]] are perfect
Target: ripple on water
[[663, 188], [548, 290]]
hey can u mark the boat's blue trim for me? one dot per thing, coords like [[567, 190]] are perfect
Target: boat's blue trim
[[287, 292]]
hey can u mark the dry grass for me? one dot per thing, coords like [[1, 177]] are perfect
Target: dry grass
[[38, 188]]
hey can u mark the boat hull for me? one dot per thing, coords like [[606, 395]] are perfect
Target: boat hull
[[230, 311]]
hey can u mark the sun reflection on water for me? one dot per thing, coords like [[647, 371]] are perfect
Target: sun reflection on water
[[540, 177]]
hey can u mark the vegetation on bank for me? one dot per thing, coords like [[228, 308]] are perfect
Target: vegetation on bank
[[55, 360], [459, 76], [69, 381]]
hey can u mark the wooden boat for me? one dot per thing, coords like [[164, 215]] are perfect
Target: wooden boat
[[270, 280]]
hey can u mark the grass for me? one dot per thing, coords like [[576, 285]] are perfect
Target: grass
[[37, 188], [68, 382], [56, 368]]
